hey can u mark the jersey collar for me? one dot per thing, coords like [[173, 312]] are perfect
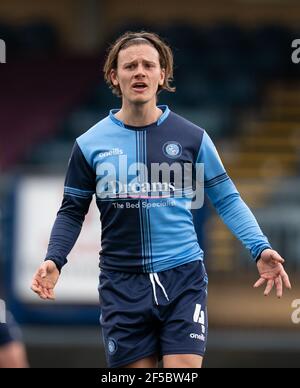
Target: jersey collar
[[162, 118]]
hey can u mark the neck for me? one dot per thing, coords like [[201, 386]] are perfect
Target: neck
[[138, 115]]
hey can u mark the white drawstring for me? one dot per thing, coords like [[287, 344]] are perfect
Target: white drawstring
[[153, 286], [153, 277], [162, 287]]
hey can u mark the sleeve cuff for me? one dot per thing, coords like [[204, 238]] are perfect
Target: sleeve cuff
[[59, 262], [260, 252]]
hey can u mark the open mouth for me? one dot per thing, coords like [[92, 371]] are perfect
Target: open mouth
[[139, 87]]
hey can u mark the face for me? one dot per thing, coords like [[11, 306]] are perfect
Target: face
[[138, 74]]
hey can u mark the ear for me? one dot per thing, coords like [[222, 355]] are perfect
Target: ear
[[162, 77], [114, 77]]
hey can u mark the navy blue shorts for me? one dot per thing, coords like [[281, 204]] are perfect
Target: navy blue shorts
[[161, 313]]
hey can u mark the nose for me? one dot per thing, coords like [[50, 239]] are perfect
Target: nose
[[140, 71]]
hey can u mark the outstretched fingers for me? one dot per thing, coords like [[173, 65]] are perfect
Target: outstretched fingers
[[37, 286], [286, 280], [269, 287], [259, 283], [278, 284], [49, 293]]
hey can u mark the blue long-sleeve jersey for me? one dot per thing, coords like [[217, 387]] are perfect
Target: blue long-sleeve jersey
[[147, 223]]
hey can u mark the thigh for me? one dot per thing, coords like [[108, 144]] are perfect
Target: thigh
[[185, 323], [129, 329], [12, 355], [182, 361], [148, 362]]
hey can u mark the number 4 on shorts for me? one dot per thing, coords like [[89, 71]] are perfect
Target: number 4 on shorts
[[199, 315]]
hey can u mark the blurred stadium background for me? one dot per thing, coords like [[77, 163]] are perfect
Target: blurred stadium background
[[234, 77]]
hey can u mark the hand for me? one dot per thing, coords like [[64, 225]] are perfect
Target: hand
[[45, 279], [271, 270]]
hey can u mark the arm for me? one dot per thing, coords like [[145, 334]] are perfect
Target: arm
[[237, 215], [78, 192]]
